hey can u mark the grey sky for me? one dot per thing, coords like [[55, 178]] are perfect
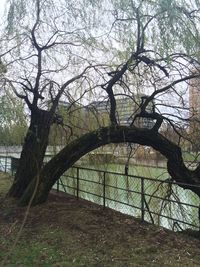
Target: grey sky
[[2, 5]]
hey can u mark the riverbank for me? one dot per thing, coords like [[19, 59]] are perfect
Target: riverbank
[[66, 232]]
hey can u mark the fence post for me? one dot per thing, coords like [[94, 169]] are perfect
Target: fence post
[[142, 199], [6, 162], [199, 216], [77, 185], [57, 185], [104, 189]]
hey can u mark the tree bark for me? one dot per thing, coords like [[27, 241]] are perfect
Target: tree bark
[[33, 152], [115, 134]]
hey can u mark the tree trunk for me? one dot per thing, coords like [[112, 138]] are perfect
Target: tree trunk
[[33, 152], [116, 134]]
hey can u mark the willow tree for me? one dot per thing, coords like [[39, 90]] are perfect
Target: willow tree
[[12, 118], [150, 47], [13, 122], [49, 61]]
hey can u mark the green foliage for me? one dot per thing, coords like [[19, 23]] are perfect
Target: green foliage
[[173, 25], [16, 12], [13, 123], [3, 68], [179, 26]]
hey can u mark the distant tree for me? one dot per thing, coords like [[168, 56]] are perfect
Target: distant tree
[[142, 46], [13, 123]]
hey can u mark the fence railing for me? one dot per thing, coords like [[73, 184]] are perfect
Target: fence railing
[[158, 201], [5, 163]]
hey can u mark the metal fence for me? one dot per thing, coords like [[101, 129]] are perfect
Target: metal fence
[[5, 163], [158, 201]]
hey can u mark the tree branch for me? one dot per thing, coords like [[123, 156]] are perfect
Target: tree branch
[[52, 171]]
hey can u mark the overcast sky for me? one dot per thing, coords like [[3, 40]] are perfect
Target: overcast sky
[[2, 4]]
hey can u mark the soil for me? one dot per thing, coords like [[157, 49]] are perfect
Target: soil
[[80, 233]]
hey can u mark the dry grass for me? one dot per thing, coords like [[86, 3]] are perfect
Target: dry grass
[[67, 232]]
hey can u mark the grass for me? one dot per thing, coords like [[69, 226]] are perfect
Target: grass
[[65, 232]]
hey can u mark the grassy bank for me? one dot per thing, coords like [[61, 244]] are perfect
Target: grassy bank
[[71, 233]]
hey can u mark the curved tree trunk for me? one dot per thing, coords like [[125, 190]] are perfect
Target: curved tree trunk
[[33, 151], [115, 134]]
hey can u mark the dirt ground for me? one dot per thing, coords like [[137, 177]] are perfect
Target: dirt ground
[[67, 232]]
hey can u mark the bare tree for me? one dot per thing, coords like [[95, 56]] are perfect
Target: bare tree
[[152, 48]]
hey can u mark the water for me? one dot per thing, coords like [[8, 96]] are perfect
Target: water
[[128, 198], [5, 164]]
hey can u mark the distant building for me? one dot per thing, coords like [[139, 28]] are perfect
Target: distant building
[[194, 110], [83, 119], [194, 97], [146, 122], [126, 108]]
